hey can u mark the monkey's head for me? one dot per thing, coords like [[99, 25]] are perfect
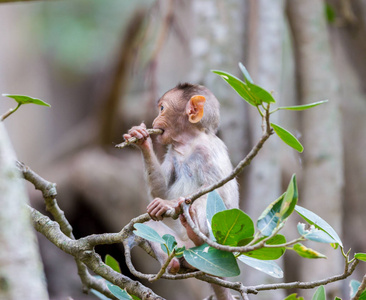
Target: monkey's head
[[186, 109]]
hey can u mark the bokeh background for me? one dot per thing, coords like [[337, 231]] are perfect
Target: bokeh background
[[102, 65]]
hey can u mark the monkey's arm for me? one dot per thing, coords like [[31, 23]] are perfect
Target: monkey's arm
[[155, 176]]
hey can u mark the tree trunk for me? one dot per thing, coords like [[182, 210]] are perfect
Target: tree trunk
[[321, 189], [220, 48], [266, 36], [21, 271]]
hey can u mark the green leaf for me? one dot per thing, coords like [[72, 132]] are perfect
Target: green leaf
[[239, 86], [293, 297], [337, 298], [287, 137], [306, 252], [250, 92], [232, 227], [330, 13], [318, 222], [148, 233], [269, 253], [290, 199], [118, 292], [214, 205], [354, 285], [279, 210], [99, 295], [266, 266], [22, 99], [319, 294], [212, 261], [260, 94], [179, 251], [170, 242], [270, 217], [245, 73], [314, 234], [360, 256], [111, 262], [302, 107]]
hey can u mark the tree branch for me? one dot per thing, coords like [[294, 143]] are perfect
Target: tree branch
[[82, 251], [304, 285], [60, 234]]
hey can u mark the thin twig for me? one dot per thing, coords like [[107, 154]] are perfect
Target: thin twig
[[163, 267], [9, 112], [134, 140], [245, 296], [138, 274]]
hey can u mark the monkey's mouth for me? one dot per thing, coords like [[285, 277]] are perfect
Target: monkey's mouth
[[162, 131]]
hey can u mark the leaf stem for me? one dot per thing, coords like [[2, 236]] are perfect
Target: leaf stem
[[286, 245], [259, 110], [273, 111], [11, 111], [163, 267]]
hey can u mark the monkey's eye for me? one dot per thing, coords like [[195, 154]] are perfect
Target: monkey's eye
[[161, 108]]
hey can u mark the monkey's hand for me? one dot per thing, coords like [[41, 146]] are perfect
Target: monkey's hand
[[143, 137], [158, 207]]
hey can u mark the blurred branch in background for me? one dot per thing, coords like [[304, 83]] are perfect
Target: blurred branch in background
[[110, 117]]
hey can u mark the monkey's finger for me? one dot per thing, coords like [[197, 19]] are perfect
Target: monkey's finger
[[152, 205], [134, 139], [137, 135], [182, 219], [154, 212], [153, 217], [143, 132], [161, 212], [127, 136]]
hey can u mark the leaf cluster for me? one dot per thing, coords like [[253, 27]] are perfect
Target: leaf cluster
[[262, 100], [260, 246]]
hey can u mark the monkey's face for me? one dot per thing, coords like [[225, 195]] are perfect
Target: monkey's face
[[171, 118]]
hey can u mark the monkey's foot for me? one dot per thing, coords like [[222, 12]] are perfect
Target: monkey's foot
[[192, 236], [174, 266]]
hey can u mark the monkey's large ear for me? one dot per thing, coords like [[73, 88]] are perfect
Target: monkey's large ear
[[194, 108]]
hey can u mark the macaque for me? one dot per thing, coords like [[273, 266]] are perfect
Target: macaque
[[195, 158]]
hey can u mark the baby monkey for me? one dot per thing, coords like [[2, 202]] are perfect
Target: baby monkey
[[189, 117]]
